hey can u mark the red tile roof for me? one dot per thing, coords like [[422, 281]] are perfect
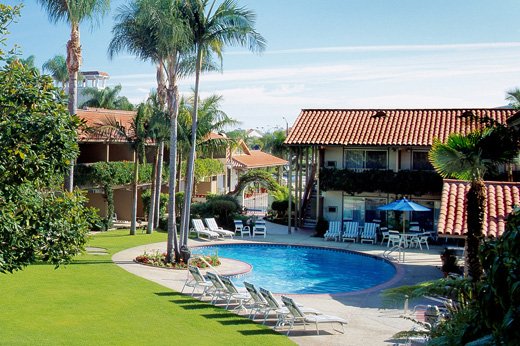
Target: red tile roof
[[407, 127], [257, 159], [96, 116], [500, 199]]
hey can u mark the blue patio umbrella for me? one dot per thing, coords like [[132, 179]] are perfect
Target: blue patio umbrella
[[403, 205]]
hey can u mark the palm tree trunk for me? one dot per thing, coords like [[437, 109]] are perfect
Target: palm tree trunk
[[475, 199], [133, 224], [158, 184], [191, 157], [73, 64], [151, 209], [172, 247]]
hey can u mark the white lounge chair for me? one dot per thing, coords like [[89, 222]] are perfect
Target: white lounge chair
[[225, 292], [197, 281], [280, 310], [200, 229], [351, 231], [240, 228], [259, 228], [334, 231], [369, 233], [259, 304], [298, 316], [212, 226]]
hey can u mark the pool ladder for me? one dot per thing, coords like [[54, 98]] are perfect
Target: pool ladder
[[395, 248]]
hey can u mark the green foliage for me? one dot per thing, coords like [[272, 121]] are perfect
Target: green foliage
[[37, 145], [145, 196], [8, 15], [402, 182], [207, 168], [251, 176], [107, 98], [222, 207], [113, 173]]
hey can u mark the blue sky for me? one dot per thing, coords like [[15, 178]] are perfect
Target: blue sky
[[329, 54]]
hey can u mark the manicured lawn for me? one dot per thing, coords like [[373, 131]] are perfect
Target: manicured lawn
[[94, 302]]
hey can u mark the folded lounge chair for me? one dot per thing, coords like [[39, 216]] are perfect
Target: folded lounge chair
[[334, 231], [258, 304], [198, 227], [212, 226], [197, 280], [298, 316], [351, 231]]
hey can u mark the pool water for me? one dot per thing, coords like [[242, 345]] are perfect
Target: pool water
[[304, 270]]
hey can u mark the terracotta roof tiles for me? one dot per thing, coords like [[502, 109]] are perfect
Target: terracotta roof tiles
[[405, 127], [500, 199], [96, 116], [257, 159]]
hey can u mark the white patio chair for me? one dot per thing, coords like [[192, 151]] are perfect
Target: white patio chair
[[240, 228], [420, 239], [351, 231], [369, 233], [199, 229], [334, 231], [212, 226], [393, 237], [298, 316], [384, 234], [260, 228]]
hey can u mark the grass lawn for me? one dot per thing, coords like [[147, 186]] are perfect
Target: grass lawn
[[94, 302]]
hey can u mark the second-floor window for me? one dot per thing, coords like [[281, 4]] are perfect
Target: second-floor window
[[420, 161], [366, 159]]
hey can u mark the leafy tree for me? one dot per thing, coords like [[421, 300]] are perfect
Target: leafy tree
[[8, 15], [74, 12], [37, 145], [107, 98], [57, 67], [212, 28], [273, 143], [469, 157]]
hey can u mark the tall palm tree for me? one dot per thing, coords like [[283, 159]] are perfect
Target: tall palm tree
[[57, 67], [152, 30], [107, 98], [136, 135], [74, 12], [470, 157], [212, 28]]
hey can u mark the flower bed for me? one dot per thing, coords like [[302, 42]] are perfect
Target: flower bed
[[158, 259]]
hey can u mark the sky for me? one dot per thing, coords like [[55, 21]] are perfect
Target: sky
[[326, 54]]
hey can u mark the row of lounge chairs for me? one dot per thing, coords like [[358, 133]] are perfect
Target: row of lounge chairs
[[258, 301], [212, 231], [350, 232]]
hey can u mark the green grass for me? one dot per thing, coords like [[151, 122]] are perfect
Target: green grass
[[94, 302]]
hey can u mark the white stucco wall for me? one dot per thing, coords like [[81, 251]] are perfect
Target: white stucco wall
[[333, 199], [334, 154]]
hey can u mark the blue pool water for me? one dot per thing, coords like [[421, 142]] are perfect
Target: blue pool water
[[304, 270]]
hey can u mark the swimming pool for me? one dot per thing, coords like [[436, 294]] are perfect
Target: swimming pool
[[304, 269]]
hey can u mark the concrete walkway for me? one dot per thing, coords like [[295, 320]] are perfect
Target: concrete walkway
[[369, 323]]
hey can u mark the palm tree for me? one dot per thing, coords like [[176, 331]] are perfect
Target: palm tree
[[136, 136], [470, 157], [107, 98], [212, 29], [513, 96], [151, 30], [74, 12], [57, 67]]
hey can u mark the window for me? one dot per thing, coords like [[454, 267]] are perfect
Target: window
[[331, 164], [420, 161], [363, 209], [366, 159]]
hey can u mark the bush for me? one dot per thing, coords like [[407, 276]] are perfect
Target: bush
[[321, 227], [158, 259]]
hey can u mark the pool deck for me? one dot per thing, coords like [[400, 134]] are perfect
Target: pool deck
[[369, 322]]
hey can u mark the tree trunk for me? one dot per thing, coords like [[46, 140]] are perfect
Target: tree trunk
[[151, 208], [172, 248], [133, 224], [158, 184], [191, 157], [73, 64], [475, 199]]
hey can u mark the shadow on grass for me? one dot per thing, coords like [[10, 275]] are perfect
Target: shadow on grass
[[169, 294], [218, 316], [195, 306], [91, 262], [258, 332]]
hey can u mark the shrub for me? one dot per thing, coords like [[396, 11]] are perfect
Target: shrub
[[158, 259]]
